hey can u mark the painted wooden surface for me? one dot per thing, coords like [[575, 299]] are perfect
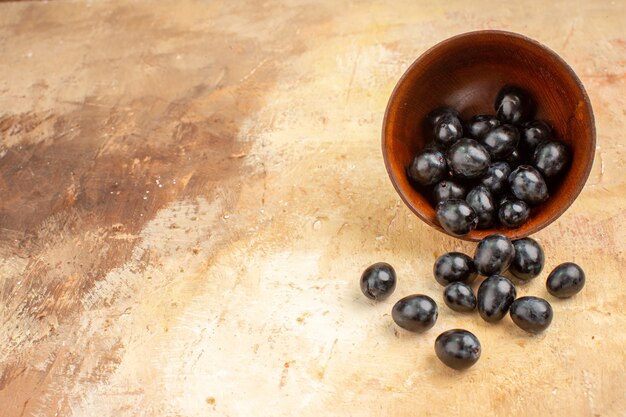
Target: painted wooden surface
[[190, 190]]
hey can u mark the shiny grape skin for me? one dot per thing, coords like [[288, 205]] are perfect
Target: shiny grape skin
[[528, 260], [532, 134], [457, 348], [495, 296], [513, 105], [481, 200], [501, 141], [454, 267], [415, 313], [435, 116], [514, 159], [459, 297], [468, 158], [551, 158], [532, 314], [448, 129], [513, 213], [528, 185], [497, 177], [448, 190], [493, 255], [428, 167], [456, 217], [566, 280], [478, 126], [378, 281]]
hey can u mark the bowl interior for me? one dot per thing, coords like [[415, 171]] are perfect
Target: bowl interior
[[466, 72]]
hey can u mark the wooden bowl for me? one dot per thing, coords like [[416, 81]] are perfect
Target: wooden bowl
[[466, 72]]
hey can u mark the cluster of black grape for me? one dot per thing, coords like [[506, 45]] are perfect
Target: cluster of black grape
[[494, 255], [491, 168]]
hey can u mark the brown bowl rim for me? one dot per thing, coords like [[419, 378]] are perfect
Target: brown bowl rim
[[587, 104]]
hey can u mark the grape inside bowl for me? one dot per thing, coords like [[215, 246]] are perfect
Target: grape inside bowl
[[465, 73]]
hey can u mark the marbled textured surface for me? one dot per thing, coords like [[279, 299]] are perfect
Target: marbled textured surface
[[189, 192]]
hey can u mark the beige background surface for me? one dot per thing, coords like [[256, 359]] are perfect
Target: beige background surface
[[189, 192]]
